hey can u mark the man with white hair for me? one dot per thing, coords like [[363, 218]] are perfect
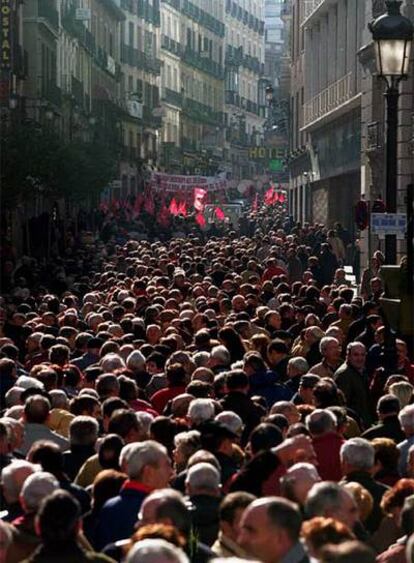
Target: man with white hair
[[232, 421], [156, 551], [351, 379], [296, 367], [25, 539], [406, 418], [219, 359], [326, 442], [330, 349], [112, 362], [330, 500], [13, 477], [298, 481], [204, 488], [148, 468], [199, 411], [357, 461], [36, 414]]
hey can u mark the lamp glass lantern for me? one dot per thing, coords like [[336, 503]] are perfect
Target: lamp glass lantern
[[393, 35]]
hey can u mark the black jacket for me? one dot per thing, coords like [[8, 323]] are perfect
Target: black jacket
[[205, 516], [390, 427]]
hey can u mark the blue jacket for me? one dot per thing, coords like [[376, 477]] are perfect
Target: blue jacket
[[119, 515], [264, 384]]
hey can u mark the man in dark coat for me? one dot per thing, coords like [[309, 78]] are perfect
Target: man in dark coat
[[238, 401], [352, 380], [389, 426]]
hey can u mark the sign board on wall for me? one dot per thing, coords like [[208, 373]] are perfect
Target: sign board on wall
[[383, 224], [6, 27]]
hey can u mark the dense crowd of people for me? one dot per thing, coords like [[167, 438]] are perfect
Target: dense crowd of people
[[195, 399]]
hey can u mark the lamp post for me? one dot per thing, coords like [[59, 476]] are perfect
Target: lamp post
[[392, 34]]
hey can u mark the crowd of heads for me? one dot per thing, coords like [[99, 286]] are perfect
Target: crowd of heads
[[196, 399]]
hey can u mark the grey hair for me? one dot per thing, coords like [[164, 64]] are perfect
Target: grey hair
[[9, 476], [320, 421], [138, 455], [406, 418], [299, 363], [59, 399], [359, 453], [111, 362], [231, 420], [202, 476], [154, 551], [324, 343], [12, 396], [36, 487], [323, 498], [189, 442], [353, 345], [145, 420], [201, 410], [201, 359], [83, 431], [221, 353]]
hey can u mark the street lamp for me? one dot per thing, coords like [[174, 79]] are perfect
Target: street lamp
[[392, 34]]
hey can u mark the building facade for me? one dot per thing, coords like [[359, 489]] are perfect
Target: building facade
[[244, 88], [277, 75], [140, 90], [325, 160]]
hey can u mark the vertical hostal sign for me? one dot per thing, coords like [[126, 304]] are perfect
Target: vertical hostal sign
[[6, 34]]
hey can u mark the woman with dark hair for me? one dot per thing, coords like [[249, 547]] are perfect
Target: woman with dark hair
[[233, 342]]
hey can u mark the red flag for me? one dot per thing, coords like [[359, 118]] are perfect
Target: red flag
[[219, 213], [275, 197], [182, 209], [199, 199], [282, 198], [173, 207], [200, 220], [269, 195]]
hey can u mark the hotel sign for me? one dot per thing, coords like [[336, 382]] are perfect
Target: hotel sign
[[6, 34]]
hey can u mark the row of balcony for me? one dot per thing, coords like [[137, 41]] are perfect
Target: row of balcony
[[329, 99], [143, 9], [234, 99], [87, 40], [172, 97], [245, 17], [203, 63], [203, 18], [138, 59], [236, 57], [202, 113], [174, 3], [171, 45]]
